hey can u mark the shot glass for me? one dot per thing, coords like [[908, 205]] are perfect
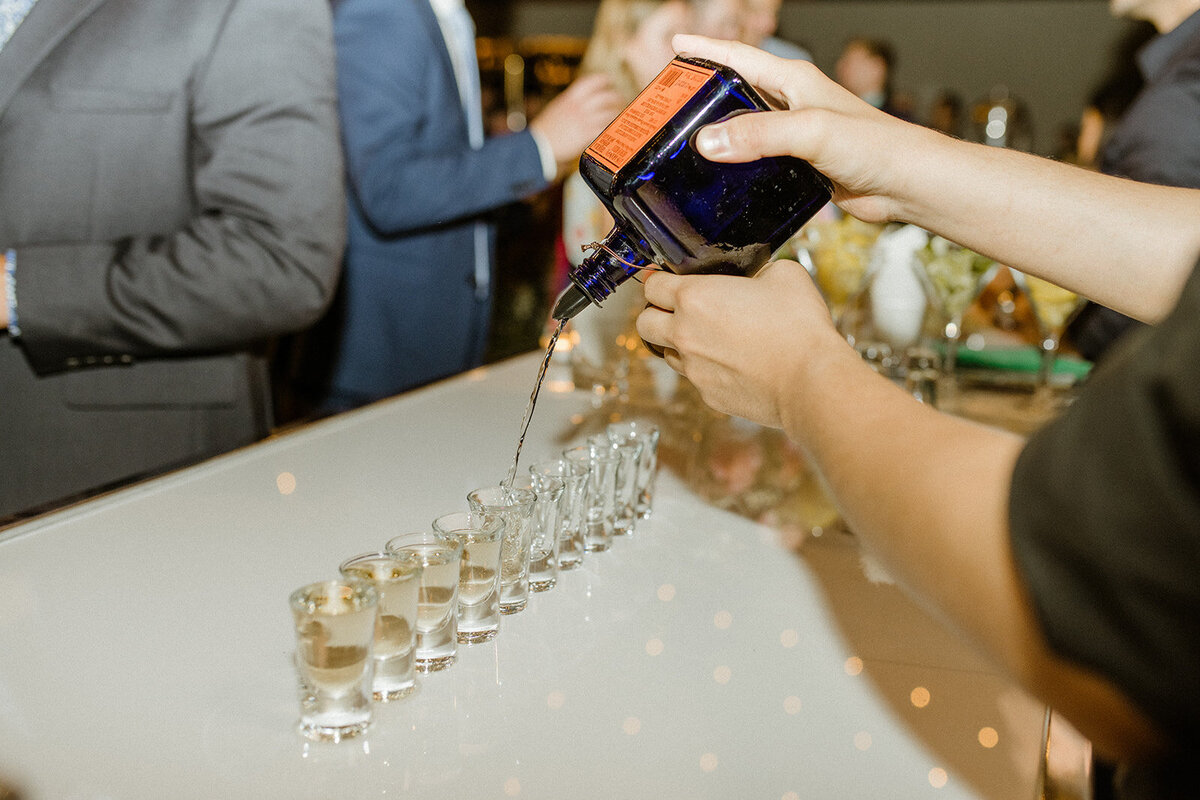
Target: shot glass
[[437, 597], [570, 507], [599, 510], [479, 573], [397, 579], [543, 537], [647, 433], [335, 626], [625, 488], [515, 507]]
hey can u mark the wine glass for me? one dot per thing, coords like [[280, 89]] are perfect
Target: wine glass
[[1054, 308], [952, 276], [839, 252]]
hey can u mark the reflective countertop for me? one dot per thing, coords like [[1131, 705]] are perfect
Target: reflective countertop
[[146, 642]]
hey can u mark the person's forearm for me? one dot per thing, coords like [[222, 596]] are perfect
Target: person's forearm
[[928, 494], [917, 485], [1086, 231], [1124, 244]]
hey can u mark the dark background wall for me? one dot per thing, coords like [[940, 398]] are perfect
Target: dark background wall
[[1049, 53]]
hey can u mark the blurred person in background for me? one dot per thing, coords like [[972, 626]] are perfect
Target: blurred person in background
[[416, 297], [946, 113], [719, 18], [865, 67], [170, 200], [1156, 139], [760, 23], [1112, 97]]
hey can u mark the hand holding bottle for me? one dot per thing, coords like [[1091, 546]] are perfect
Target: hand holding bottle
[[676, 208], [844, 138], [744, 343]]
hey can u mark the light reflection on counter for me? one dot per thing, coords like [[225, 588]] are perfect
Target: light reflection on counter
[[286, 483]]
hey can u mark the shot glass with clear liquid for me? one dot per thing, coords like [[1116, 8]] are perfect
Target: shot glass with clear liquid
[[543, 537], [437, 598], [479, 573], [648, 434], [335, 627], [629, 451], [599, 494], [570, 507], [515, 507], [397, 579]]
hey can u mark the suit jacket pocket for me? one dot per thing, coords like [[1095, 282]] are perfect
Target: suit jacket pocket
[[196, 382]]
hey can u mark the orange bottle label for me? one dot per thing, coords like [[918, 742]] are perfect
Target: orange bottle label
[[648, 113]]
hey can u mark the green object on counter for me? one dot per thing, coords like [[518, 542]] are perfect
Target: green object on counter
[[1021, 359]]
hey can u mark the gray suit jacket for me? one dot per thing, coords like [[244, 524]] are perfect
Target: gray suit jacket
[[170, 179]]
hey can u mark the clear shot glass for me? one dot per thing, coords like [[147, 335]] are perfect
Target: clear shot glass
[[599, 494], [335, 626], [479, 573], [515, 507], [437, 598], [543, 535], [397, 579], [647, 433], [629, 451], [570, 507]]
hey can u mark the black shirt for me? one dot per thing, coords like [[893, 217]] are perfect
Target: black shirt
[[1105, 521], [1156, 141], [1158, 138]]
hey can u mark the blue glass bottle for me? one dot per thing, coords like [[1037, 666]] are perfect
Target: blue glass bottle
[[672, 207]]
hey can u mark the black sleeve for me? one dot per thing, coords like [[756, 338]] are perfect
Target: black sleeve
[[1105, 521]]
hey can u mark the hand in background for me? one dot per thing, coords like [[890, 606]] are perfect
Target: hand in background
[[576, 116]]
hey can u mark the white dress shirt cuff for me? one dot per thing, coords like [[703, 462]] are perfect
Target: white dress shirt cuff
[[10, 288], [546, 153]]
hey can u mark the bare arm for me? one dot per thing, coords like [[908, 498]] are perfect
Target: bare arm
[[926, 492], [931, 501], [1126, 245]]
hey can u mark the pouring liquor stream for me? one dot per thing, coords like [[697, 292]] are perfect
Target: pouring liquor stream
[[537, 388]]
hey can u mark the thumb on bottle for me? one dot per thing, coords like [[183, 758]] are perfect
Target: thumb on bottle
[[714, 143]]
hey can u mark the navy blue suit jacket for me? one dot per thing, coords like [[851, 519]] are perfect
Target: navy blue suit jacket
[[409, 309]]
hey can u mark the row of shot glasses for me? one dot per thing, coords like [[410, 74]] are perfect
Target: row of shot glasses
[[405, 609]]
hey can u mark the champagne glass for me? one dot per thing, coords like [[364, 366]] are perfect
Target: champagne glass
[[952, 276], [839, 252], [1054, 308]]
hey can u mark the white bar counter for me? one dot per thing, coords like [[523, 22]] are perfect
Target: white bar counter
[[146, 641]]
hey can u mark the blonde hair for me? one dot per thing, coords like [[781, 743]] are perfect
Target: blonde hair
[[616, 23]]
